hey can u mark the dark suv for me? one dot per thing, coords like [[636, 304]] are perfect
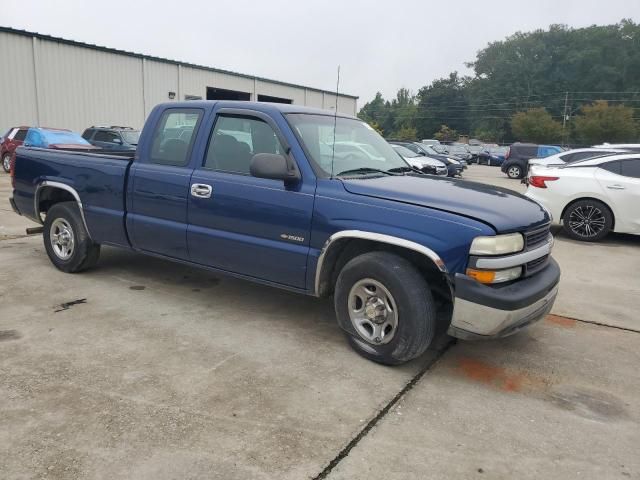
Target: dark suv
[[112, 138], [517, 157]]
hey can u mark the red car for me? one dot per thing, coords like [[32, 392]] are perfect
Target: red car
[[10, 141]]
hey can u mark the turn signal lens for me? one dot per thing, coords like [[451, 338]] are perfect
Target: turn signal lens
[[494, 276], [538, 181]]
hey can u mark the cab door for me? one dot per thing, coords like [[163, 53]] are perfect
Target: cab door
[[159, 185], [251, 226]]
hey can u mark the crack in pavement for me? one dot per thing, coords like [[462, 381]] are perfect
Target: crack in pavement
[[439, 352], [600, 324]]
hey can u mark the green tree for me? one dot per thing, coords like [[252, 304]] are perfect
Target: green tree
[[376, 127], [446, 134], [601, 122], [536, 125], [408, 134], [442, 102]]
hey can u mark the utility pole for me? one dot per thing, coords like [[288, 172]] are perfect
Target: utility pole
[[564, 116]]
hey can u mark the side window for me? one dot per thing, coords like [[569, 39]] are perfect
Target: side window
[[174, 135], [236, 139], [631, 168], [20, 134], [613, 167], [87, 134], [105, 136]]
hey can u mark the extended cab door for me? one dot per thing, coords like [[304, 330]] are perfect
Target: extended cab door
[[159, 185], [251, 226]]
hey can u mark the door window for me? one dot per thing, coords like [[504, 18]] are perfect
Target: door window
[[172, 140], [630, 168], [236, 139], [20, 134]]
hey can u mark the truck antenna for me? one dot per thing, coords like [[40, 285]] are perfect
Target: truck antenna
[[335, 121]]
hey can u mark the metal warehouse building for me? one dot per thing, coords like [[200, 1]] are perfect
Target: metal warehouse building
[[49, 81]]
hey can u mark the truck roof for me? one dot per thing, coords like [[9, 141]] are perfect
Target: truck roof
[[259, 106]]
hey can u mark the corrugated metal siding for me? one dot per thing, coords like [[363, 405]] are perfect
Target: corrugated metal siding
[[17, 85], [78, 87], [74, 86], [159, 79]]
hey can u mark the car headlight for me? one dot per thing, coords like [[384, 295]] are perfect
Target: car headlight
[[495, 276], [453, 160], [497, 245]]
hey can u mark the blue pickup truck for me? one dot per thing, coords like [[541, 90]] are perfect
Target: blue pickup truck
[[254, 190]]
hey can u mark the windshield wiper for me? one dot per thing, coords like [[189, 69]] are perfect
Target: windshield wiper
[[404, 169], [366, 170]]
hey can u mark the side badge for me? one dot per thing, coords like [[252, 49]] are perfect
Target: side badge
[[293, 238]]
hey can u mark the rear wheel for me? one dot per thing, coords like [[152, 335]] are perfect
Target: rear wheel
[[386, 308], [6, 162], [67, 241], [587, 220], [514, 171]]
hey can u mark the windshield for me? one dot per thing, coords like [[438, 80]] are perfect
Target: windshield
[[404, 151], [131, 136], [439, 149], [357, 145]]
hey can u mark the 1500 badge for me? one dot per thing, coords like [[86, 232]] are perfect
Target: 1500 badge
[[293, 238]]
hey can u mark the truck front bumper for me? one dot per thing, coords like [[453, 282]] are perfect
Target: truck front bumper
[[485, 312]]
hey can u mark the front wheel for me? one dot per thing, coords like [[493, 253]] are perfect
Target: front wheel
[[514, 171], [385, 306], [587, 220], [6, 162], [66, 240]]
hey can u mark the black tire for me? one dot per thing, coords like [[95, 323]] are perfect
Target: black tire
[[514, 171], [6, 158], [416, 313], [84, 253], [596, 216]]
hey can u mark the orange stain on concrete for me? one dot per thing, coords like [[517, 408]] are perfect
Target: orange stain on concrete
[[496, 377], [559, 321]]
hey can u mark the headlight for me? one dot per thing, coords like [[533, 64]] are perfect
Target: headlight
[[497, 245], [453, 160], [495, 276]]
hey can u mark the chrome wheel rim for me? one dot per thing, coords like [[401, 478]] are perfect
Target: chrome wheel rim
[[373, 311], [6, 162], [62, 238], [514, 172], [587, 221]]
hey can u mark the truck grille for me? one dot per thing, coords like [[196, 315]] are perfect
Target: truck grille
[[535, 265], [535, 238]]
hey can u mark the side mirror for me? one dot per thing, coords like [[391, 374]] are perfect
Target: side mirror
[[274, 167]]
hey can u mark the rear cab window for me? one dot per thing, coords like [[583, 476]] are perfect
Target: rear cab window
[[173, 137]]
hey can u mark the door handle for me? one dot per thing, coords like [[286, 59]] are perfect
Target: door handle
[[615, 187], [201, 190]]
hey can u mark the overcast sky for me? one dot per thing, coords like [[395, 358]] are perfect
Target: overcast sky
[[380, 45]]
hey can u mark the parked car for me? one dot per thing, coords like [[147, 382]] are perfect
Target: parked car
[[421, 162], [569, 156], [454, 167], [492, 156], [517, 158], [56, 138], [397, 249], [593, 197], [12, 139], [112, 138], [461, 151]]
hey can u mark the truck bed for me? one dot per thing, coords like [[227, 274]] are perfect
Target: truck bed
[[98, 179]]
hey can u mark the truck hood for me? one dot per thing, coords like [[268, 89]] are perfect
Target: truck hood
[[504, 210]]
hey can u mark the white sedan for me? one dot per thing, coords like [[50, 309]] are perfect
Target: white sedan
[[591, 198]]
